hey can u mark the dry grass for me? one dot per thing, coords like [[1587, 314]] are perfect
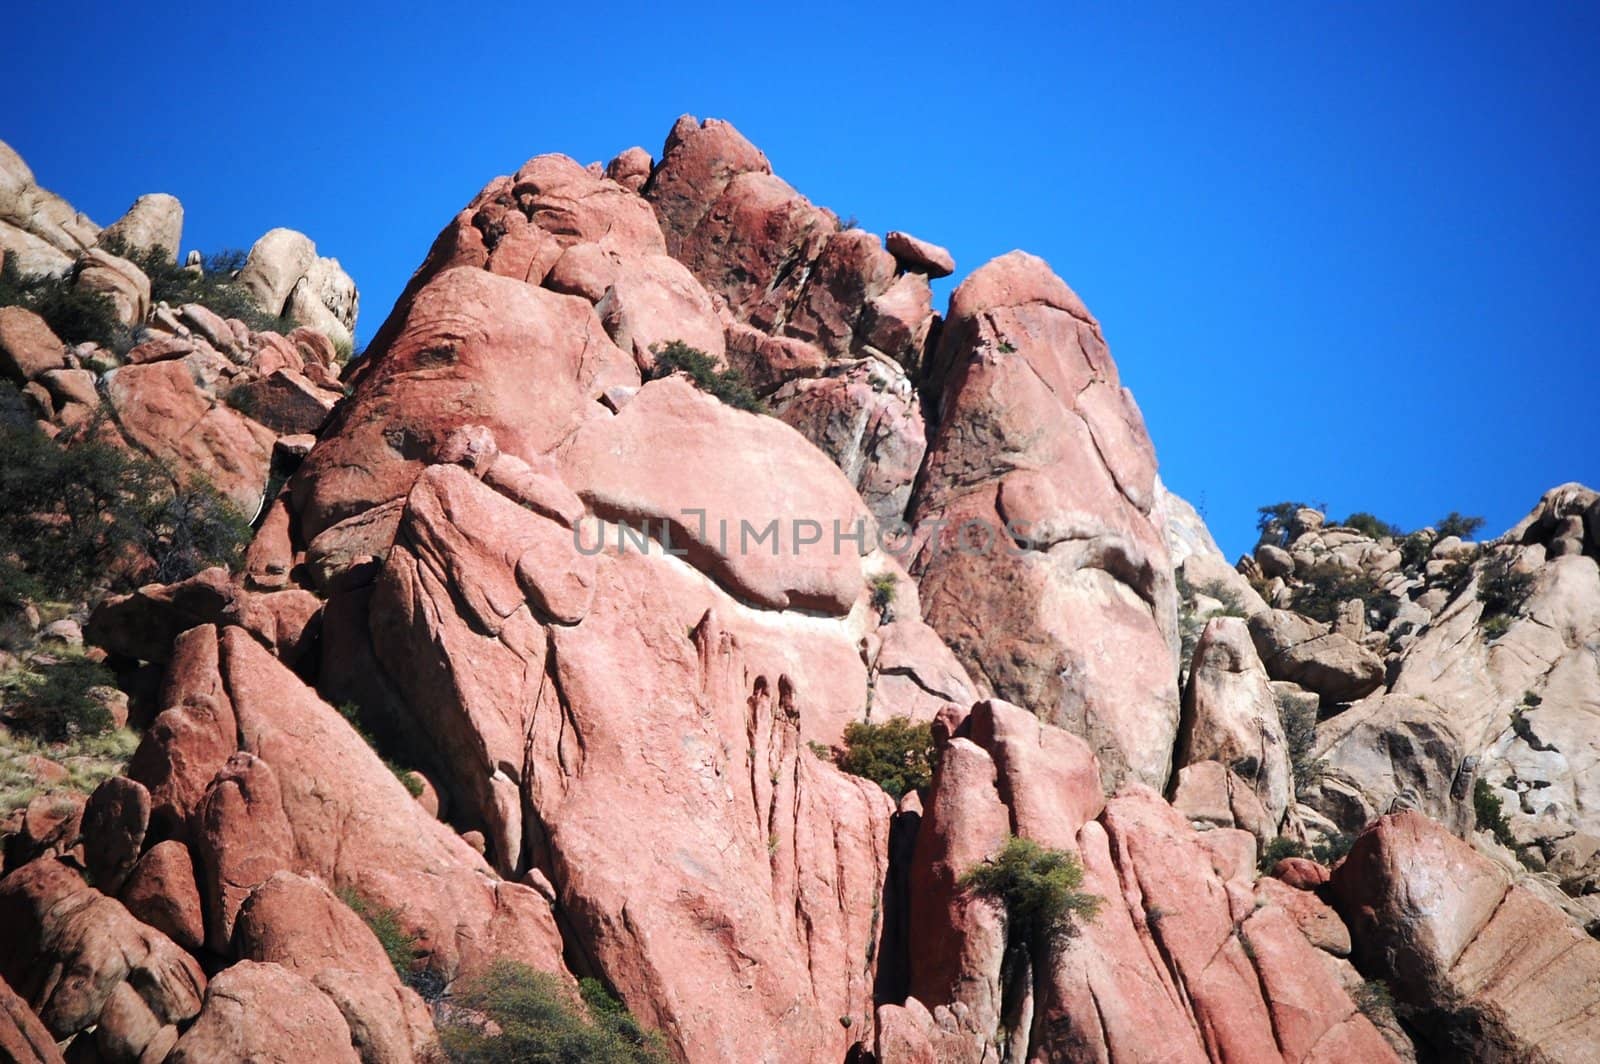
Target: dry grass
[[88, 761]]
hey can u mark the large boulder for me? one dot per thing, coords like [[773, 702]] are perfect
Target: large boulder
[[1041, 559], [28, 348], [1487, 971], [1231, 715], [154, 221], [23, 1039], [119, 280], [1306, 652], [287, 278], [39, 231], [267, 1014]]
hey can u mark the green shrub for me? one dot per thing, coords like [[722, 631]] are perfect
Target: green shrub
[[353, 715], [1503, 591], [1191, 625], [70, 511], [52, 702], [897, 755], [541, 1021], [1490, 815], [1456, 524], [1374, 1000], [1038, 889], [1298, 716], [212, 286], [73, 314], [399, 944], [1273, 522], [1371, 526], [728, 385], [883, 589], [1414, 551], [1326, 587]]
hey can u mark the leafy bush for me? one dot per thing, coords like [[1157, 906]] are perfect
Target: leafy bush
[[1298, 715], [1489, 814], [540, 1021], [1325, 852], [75, 315], [897, 755], [399, 944], [1037, 887], [1414, 551], [1503, 591], [1327, 587], [883, 589], [53, 703], [1457, 524], [70, 510], [728, 385], [1371, 526], [212, 286], [1273, 521]]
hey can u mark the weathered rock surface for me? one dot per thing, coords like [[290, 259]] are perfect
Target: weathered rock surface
[[268, 1014], [23, 1039], [154, 221], [39, 230], [1048, 576], [1307, 653], [1492, 973], [28, 348], [287, 278]]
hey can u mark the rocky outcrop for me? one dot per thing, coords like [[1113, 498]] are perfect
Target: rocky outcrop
[[1304, 652], [1489, 972], [39, 231], [23, 1038], [1039, 556], [288, 279], [154, 221], [28, 348]]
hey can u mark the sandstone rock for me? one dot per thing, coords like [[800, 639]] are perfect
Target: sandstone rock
[[114, 823], [285, 402], [697, 163], [1230, 715], [864, 417], [657, 463], [68, 947], [38, 229], [630, 169], [1305, 652], [1077, 622], [919, 255], [1490, 972], [241, 836], [1211, 795], [27, 346], [145, 623], [51, 826], [276, 263], [154, 221], [23, 1039], [267, 1014], [161, 891], [161, 410], [118, 280]]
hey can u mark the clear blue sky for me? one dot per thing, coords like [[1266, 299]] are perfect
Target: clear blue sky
[[1341, 254]]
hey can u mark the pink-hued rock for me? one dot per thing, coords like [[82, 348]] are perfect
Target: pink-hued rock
[[697, 162], [240, 836], [1301, 873], [51, 826], [468, 346], [867, 420], [161, 410], [1036, 435], [673, 452], [269, 1015], [114, 823], [67, 947], [1457, 942], [119, 280], [162, 892], [285, 401], [919, 255], [23, 1039], [299, 924], [270, 556], [768, 361], [630, 169], [27, 346]]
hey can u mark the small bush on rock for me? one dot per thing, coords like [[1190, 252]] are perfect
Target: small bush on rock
[[212, 285], [1298, 716], [1457, 524], [54, 702], [1037, 887], [75, 315], [399, 944], [897, 755], [1273, 522], [537, 1020], [1372, 527], [728, 385], [1327, 587], [1489, 813], [1503, 591]]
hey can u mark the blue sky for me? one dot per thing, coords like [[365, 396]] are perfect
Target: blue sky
[[1341, 254]]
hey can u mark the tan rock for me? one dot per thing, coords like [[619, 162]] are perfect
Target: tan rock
[[154, 221], [28, 348]]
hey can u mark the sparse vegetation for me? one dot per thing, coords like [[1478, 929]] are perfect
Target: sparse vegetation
[[1274, 522], [1038, 889], [883, 588], [1414, 551], [1325, 852], [1298, 716], [1372, 526], [53, 702], [400, 944], [1503, 590], [1489, 813], [73, 314], [533, 1019], [1374, 1000], [88, 760], [727, 385], [897, 755], [1190, 622], [212, 286], [352, 714], [1325, 588], [1457, 524]]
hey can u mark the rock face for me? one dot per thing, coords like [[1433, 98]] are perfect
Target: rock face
[[1039, 557], [154, 221], [289, 279], [39, 231], [1492, 973]]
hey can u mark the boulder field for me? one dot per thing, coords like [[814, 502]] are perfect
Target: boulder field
[[548, 653]]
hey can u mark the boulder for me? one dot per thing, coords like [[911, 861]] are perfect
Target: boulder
[[285, 402], [114, 823], [39, 231], [119, 281], [1305, 652], [1230, 715], [161, 891], [23, 1039], [154, 221], [145, 623], [28, 348], [240, 834], [919, 256], [276, 263], [1489, 972], [630, 169], [1040, 557], [266, 1014]]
